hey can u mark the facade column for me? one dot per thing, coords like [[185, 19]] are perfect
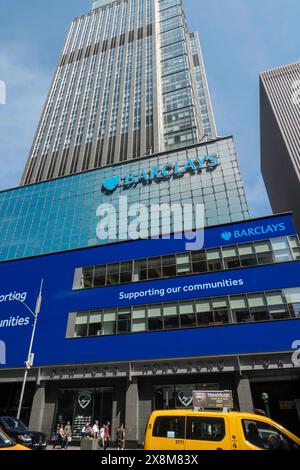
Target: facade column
[[37, 410], [244, 395], [132, 412]]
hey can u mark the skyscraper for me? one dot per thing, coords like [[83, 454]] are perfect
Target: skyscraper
[[130, 82], [280, 137]]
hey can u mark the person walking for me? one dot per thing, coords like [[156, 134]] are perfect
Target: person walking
[[62, 436], [121, 437], [106, 435], [101, 436], [56, 437], [96, 430], [68, 434]]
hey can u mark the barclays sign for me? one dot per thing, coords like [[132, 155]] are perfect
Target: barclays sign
[[253, 232], [158, 173]]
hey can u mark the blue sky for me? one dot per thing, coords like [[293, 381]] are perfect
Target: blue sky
[[239, 39]]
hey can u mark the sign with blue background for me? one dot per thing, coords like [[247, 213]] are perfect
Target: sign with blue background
[[20, 281]]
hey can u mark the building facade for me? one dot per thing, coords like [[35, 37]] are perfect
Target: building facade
[[130, 82], [131, 327], [61, 214], [280, 137]]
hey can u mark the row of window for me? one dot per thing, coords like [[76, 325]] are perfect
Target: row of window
[[276, 250], [245, 308]]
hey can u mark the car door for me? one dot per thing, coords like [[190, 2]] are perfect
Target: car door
[[207, 432], [260, 435]]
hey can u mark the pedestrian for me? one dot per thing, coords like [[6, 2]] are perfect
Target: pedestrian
[[87, 430], [121, 437], [68, 434], [62, 437], [56, 437], [106, 435], [101, 436], [96, 430]]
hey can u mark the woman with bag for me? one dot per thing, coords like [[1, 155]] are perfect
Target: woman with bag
[[56, 437], [68, 434], [62, 436], [121, 437]]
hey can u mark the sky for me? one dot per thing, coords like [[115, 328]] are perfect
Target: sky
[[239, 38]]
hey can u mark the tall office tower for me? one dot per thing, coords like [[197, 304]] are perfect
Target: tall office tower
[[130, 82], [280, 137]]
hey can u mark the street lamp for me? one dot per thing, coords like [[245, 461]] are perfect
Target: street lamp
[[30, 357]]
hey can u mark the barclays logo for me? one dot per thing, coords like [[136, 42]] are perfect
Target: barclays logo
[[166, 171], [111, 183], [226, 236]]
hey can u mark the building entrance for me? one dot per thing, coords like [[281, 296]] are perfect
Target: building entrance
[[82, 406]]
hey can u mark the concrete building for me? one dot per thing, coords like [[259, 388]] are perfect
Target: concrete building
[[130, 82], [280, 137]]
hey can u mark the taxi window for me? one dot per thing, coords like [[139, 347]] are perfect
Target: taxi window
[[171, 427], [264, 436], [205, 429]]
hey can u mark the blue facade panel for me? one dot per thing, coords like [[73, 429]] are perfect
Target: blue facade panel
[[20, 280]]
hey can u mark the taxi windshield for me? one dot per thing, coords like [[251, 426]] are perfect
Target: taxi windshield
[[5, 441]]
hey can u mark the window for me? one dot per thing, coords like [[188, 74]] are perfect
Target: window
[[281, 250], [124, 320], [267, 437], [100, 276], [239, 308], [109, 322], [169, 266], [277, 306], [231, 257], [155, 317], [95, 323], [187, 314], [199, 262], [205, 429], [171, 319], [139, 319], [204, 312], [126, 272], [183, 263], [293, 300], [220, 307], [140, 270], [87, 277], [264, 252], [214, 259], [113, 274], [81, 324], [170, 427], [154, 268], [295, 247], [247, 255], [258, 309]]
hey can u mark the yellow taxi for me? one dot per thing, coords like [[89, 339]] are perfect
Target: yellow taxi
[[6, 443], [184, 430]]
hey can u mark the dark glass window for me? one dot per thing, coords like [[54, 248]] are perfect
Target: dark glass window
[[113, 275], [170, 427], [267, 437], [205, 429], [154, 268], [95, 323], [199, 262], [124, 319], [87, 277], [100, 276], [155, 321], [214, 258], [140, 270], [169, 266], [204, 312], [126, 272], [247, 255]]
